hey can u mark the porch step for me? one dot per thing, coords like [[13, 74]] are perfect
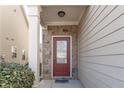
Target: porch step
[[61, 80]]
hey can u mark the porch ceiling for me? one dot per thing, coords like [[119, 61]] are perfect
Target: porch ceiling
[[72, 16]]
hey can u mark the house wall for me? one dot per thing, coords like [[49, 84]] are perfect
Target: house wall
[[47, 47], [13, 26], [101, 47]]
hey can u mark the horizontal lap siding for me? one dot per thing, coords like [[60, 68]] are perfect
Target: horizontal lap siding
[[101, 47]]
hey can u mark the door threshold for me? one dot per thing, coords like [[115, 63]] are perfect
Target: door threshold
[[62, 77]]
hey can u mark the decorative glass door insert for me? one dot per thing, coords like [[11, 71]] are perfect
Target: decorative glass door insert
[[62, 52]]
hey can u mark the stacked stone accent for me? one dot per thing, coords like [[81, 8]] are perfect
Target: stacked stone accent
[[47, 47]]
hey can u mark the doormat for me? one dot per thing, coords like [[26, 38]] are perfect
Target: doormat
[[61, 80]]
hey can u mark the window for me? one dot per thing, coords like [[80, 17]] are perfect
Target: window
[[61, 52]]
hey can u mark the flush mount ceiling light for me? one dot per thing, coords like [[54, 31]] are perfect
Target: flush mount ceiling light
[[61, 13]]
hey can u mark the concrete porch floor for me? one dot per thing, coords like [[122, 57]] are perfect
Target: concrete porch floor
[[52, 84]]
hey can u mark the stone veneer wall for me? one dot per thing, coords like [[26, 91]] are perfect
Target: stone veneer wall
[[47, 47]]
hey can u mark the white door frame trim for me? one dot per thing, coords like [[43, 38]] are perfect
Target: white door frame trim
[[70, 57]]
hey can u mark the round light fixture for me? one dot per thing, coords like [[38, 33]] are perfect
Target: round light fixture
[[61, 13]]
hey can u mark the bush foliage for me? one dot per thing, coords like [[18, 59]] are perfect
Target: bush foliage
[[13, 75]]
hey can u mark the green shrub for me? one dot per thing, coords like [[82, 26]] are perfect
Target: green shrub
[[15, 75]]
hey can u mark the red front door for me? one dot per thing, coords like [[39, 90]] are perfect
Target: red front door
[[61, 56]]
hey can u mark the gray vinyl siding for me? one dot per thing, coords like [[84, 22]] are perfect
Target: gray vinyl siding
[[101, 47]]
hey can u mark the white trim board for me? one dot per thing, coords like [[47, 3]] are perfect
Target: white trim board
[[62, 23], [70, 57]]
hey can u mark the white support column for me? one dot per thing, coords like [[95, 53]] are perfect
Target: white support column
[[34, 27]]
